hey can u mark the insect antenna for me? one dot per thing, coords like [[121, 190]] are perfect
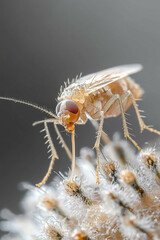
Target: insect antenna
[[29, 104]]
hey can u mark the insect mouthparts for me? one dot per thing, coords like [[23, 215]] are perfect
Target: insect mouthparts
[[69, 113]]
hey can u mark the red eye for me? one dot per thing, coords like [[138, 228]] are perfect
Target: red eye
[[67, 105], [71, 106]]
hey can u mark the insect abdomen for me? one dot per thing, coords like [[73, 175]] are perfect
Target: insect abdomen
[[97, 101]]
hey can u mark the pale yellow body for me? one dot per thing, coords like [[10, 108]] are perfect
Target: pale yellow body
[[105, 94], [95, 102], [99, 95]]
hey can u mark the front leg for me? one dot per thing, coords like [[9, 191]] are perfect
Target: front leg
[[53, 156]]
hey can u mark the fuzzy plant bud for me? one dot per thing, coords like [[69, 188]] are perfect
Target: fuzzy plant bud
[[52, 233], [49, 202], [149, 158], [79, 234], [130, 220], [71, 187], [124, 205], [110, 171], [128, 176]]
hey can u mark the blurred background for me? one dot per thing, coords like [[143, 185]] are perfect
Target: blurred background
[[42, 43]]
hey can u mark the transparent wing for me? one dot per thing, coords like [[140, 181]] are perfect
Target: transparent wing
[[98, 80]]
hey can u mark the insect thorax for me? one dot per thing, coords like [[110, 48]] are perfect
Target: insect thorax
[[73, 92]]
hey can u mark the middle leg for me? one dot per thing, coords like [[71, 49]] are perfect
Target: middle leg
[[105, 109], [100, 115], [97, 143], [104, 136]]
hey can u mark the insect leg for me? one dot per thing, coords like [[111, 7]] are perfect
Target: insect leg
[[53, 156], [97, 143], [106, 107], [100, 114], [140, 120], [49, 140], [104, 136], [73, 155], [50, 120], [55, 122], [126, 132], [62, 141]]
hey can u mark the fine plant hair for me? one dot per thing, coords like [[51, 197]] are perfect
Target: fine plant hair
[[125, 205]]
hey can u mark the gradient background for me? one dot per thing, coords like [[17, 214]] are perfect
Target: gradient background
[[42, 43]]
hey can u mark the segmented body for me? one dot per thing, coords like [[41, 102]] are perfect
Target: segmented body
[[94, 102]]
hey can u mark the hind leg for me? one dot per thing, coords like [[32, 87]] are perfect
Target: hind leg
[[112, 100], [142, 125]]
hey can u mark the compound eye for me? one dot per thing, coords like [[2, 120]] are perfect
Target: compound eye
[[70, 106], [67, 106], [58, 107]]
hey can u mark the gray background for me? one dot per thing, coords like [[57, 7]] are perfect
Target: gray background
[[42, 43]]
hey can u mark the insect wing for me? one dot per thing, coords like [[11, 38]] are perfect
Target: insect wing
[[101, 79], [128, 69]]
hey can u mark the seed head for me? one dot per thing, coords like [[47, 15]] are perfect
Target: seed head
[[49, 202], [128, 176], [79, 234]]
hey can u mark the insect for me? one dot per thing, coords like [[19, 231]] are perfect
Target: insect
[[100, 95]]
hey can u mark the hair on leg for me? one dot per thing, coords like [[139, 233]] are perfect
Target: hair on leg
[[53, 156], [104, 136], [73, 156], [106, 107], [97, 143], [139, 117], [62, 142]]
